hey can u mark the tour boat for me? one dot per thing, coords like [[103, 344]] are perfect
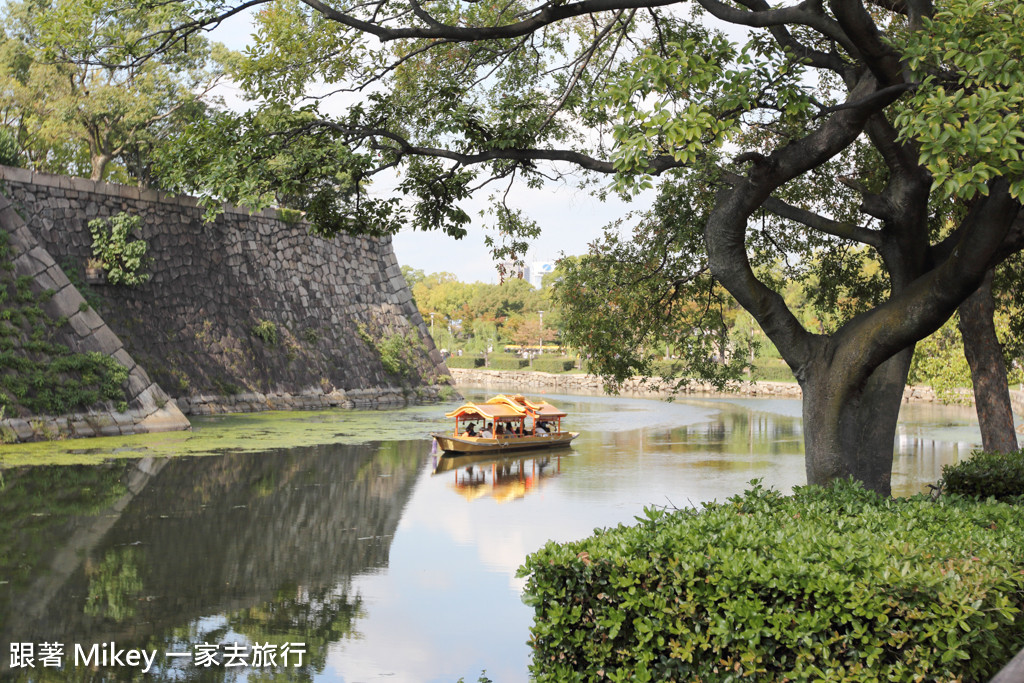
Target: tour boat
[[511, 413]]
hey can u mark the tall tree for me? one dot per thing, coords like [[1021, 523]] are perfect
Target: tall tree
[[988, 369], [771, 131], [78, 101]]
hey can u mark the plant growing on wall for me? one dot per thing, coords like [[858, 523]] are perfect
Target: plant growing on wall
[[265, 330], [123, 256], [397, 352]]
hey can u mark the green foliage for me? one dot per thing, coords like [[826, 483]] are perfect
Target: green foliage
[[70, 112], [939, 361], [554, 364], [38, 375], [399, 354], [507, 363], [966, 114], [832, 584], [629, 297], [265, 330], [771, 370], [667, 368], [482, 678], [122, 253], [999, 475], [10, 155], [50, 380], [464, 362]]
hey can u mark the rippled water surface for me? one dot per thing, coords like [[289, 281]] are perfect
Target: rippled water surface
[[344, 532]]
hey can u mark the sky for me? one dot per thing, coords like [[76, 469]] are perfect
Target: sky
[[570, 218]]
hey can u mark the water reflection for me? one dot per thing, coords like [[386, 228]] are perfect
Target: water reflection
[[385, 561], [172, 553], [500, 478]]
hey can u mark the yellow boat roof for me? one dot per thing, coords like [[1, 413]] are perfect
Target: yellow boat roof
[[541, 409], [504, 407], [488, 411]]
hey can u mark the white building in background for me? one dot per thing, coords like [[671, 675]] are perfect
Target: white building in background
[[536, 271]]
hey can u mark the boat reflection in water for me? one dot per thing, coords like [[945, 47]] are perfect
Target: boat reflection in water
[[503, 478]]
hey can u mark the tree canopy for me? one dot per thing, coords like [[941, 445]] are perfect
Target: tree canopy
[[817, 134], [75, 100]]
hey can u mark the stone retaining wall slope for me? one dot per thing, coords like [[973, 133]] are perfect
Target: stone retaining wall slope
[[149, 408]]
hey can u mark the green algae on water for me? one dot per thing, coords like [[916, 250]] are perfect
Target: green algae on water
[[239, 433]]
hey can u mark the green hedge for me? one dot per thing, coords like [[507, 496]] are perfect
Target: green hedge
[[667, 368], [508, 363], [554, 364], [1000, 475], [772, 370], [464, 362], [832, 584]]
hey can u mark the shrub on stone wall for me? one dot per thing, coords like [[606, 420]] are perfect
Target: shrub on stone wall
[[399, 353], [835, 584], [465, 362], [554, 364], [266, 331], [772, 370], [119, 252], [999, 475], [667, 368], [508, 363]]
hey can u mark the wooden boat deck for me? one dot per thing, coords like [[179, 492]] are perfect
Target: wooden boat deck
[[501, 444]]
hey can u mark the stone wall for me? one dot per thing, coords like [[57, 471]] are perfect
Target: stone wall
[[194, 325], [526, 380], [149, 409]]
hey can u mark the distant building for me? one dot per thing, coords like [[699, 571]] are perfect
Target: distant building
[[537, 270]]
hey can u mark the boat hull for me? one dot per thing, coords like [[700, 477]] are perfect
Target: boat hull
[[453, 461], [497, 446]]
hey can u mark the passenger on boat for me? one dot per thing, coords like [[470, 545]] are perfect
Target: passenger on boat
[[471, 429], [487, 433], [499, 430], [541, 427]]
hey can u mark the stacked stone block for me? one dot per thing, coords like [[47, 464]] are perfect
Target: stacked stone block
[[193, 324], [149, 408]]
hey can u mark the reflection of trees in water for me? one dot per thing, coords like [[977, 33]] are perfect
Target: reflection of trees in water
[[114, 585], [39, 506], [736, 431], [268, 542]]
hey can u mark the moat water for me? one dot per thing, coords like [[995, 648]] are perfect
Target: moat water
[[341, 540]]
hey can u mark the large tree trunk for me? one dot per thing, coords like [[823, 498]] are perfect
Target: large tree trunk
[[850, 431], [988, 370], [99, 165]]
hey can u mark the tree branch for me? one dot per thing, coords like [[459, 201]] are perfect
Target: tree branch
[[868, 44], [549, 14], [848, 231], [927, 303], [761, 15], [725, 232]]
